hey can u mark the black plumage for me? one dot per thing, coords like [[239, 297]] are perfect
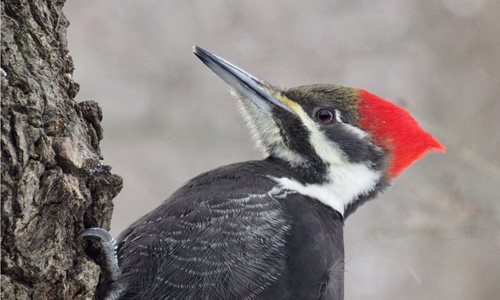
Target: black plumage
[[231, 234], [268, 229]]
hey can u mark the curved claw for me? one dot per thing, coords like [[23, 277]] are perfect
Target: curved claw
[[96, 232], [108, 248]]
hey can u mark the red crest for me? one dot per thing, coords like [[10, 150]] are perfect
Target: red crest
[[395, 130]]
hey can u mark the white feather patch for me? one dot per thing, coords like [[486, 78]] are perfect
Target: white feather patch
[[345, 184]]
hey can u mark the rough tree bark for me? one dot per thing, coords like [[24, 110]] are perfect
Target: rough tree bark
[[53, 184]]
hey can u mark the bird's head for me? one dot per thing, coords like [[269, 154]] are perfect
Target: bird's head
[[327, 127]]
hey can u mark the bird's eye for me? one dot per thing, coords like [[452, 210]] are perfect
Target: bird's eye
[[325, 116]]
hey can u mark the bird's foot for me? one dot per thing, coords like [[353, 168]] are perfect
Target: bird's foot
[[108, 248]]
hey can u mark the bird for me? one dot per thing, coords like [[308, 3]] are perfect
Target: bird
[[270, 228]]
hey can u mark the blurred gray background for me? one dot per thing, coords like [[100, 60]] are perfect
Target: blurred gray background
[[434, 235]]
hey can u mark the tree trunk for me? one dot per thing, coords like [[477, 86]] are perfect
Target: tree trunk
[[53, 184]]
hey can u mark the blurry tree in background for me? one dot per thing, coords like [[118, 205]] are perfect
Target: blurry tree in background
[[53, 184]]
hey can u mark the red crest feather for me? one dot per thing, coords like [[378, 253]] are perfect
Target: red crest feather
[[394, 129]]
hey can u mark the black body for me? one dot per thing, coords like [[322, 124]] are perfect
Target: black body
[[270, 229], [257, 230], [216, 239]]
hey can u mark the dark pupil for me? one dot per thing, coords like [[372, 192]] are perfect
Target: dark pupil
[[325, 115]]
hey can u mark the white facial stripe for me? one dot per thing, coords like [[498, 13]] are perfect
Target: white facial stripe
[[338, 116], [355, 130], [345, 182], [345, 185], [326, 150]]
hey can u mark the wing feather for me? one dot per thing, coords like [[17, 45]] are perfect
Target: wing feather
[[200, 247]]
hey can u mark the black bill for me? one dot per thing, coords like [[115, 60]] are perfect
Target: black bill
[[245, 84]]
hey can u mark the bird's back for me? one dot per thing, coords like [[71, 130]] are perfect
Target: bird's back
[[232, 233]]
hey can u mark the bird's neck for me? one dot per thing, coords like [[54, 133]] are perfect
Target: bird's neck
[[308, 173], [336, 186]]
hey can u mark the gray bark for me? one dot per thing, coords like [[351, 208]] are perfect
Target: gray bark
[[53, 183]]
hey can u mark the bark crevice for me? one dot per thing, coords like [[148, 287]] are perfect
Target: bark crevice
[[54, 184]]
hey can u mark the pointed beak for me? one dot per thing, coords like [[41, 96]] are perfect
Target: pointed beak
[[258, 91]]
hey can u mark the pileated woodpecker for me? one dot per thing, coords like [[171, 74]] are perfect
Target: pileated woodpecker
[[271, 228]]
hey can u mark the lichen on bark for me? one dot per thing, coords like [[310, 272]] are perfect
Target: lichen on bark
[[53, 182]]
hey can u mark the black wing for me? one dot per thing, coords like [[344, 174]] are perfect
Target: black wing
[[213, 239]]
